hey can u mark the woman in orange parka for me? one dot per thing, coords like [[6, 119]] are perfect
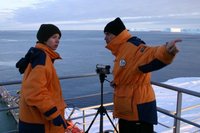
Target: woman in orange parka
[[41, 107], [134, 98]]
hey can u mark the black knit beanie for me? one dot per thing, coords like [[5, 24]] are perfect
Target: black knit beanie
[[46, 31], [115, 27]]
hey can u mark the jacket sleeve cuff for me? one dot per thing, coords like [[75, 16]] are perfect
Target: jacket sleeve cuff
[[52, 113]]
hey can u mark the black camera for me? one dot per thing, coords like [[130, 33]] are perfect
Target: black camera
[[102, 69]]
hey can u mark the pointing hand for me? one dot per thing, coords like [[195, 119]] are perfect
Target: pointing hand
[[171, 46]]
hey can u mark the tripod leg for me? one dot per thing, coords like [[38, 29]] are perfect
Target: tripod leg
[[92, 122], [111, 121], [101, 122]]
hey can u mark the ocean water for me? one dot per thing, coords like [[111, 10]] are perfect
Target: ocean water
[[82, 50]]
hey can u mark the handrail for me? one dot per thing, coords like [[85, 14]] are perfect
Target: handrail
[[8, 108], [179, 118], [178, 89], [174, 114], [61, 78], [68, 99], [177, 114], [10, 82]]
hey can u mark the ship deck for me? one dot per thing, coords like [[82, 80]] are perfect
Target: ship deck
[[87, 113]]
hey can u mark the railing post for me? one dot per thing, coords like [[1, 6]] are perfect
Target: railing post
[[178, 112], [84, 124]]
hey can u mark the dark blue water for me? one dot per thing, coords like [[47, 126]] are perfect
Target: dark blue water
[[82, 50]]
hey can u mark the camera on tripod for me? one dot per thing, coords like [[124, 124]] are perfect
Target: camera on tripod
[[102, 69]]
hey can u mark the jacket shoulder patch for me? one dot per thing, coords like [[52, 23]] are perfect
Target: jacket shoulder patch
[[34, 56], [136, 41], [38, 57]]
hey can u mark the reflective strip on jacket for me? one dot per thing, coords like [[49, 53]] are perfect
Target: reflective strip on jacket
[[41, 97], [134, 97]]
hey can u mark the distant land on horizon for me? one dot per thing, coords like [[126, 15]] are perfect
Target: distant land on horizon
[[172, 30], [178, 30]]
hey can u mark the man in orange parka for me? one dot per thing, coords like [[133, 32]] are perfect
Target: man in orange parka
[[134, 98], [41, 107]]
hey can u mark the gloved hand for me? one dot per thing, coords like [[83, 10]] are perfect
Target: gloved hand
[[171, 46], [59, 121], [112, 84]]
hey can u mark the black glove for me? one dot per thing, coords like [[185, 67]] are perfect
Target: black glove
[[59, 121]]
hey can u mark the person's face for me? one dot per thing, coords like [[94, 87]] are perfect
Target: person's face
[[109, 37], [53, 41]]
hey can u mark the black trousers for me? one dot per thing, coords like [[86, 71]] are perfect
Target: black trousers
[[134, 127], [31, 128]]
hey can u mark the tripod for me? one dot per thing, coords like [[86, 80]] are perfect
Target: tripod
[[101, 110]]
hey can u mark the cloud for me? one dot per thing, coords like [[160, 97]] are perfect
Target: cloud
[[9, 9], [17, 4], [6, 15], [72, 14]]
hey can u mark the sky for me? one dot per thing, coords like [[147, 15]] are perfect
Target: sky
[[95, 14]]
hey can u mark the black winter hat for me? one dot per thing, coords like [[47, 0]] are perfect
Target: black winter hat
[[46, 31], [115, 27]]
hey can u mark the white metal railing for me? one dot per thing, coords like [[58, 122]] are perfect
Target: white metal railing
[[177, 114], [174, 114]]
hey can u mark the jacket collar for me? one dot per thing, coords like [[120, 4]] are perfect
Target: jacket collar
[[52, 54], [117, 42]]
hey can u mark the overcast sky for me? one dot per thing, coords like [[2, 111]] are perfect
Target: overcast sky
[[95, 14]]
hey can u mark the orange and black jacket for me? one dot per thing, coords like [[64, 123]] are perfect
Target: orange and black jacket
[[134, 97], [41, 97]]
